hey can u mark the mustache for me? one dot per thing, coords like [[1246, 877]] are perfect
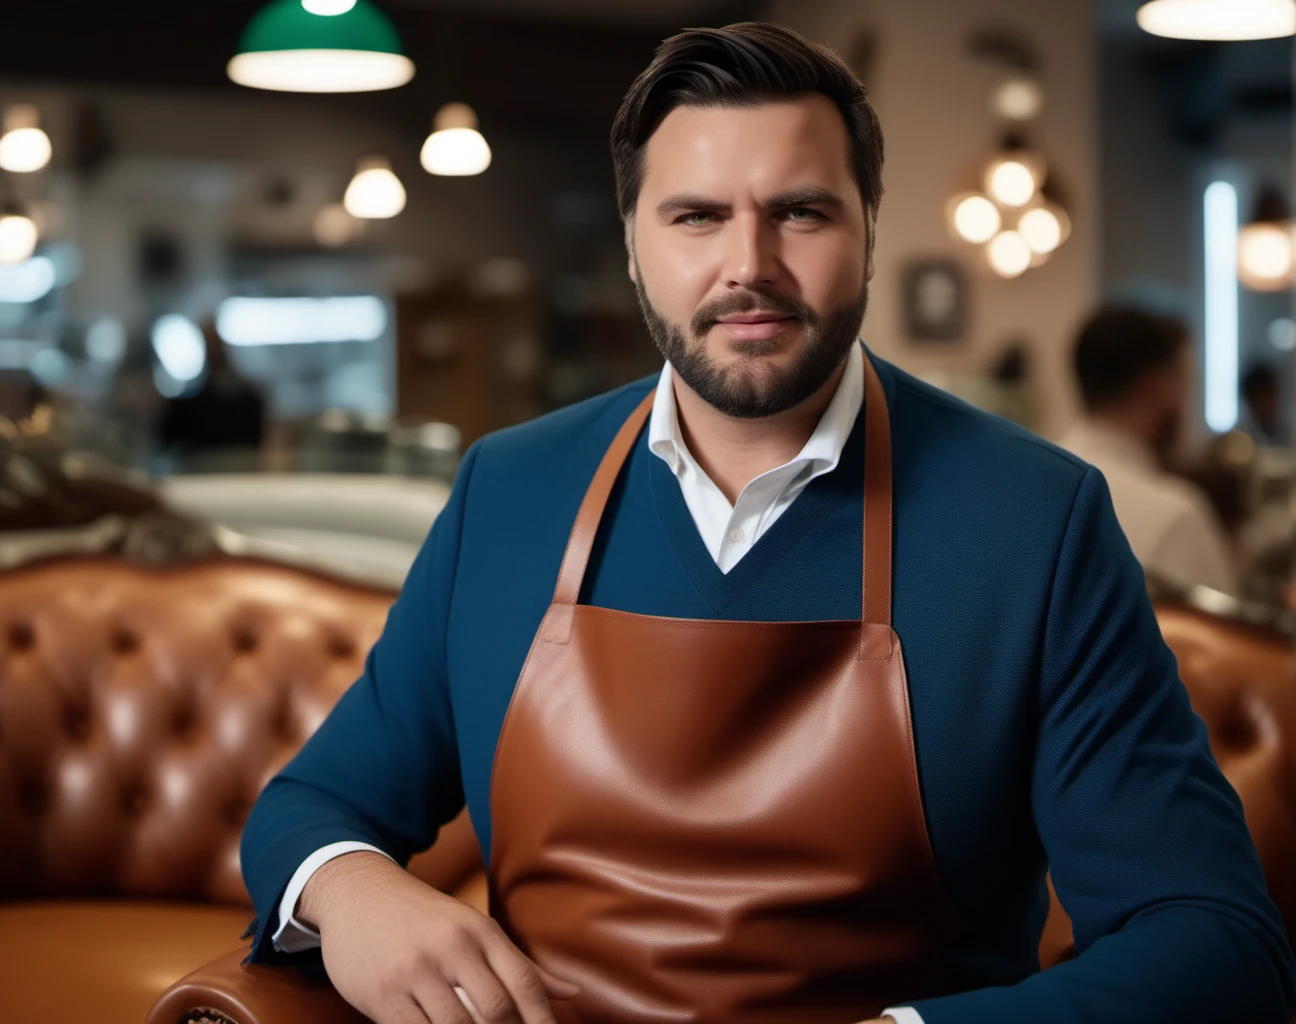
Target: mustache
[[709, 313]]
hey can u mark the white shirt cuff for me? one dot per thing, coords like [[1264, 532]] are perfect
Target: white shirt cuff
[[903, 1015], [292, 936]]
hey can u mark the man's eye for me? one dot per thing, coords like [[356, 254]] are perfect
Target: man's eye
[[697, 220], [804, 213]]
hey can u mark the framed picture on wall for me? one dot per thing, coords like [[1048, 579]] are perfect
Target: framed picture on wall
[[935, 299]]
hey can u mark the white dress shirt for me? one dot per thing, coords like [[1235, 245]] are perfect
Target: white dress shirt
[[729, 532], [1169, 524]]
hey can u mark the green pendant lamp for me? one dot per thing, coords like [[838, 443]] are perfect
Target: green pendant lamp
[[320, 46]]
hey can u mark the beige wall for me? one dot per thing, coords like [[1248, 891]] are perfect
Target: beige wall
[[933, 98]]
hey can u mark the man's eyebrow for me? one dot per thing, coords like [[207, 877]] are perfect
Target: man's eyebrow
[[689, 201], [811, 195]]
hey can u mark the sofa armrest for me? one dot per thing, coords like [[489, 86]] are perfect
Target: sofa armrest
[[227, 991]]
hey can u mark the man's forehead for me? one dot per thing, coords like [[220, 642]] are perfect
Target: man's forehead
[[775, 138]]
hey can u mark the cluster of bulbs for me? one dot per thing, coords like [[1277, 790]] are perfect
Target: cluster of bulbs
[[1017, 223], [24, 149], [336, 46]]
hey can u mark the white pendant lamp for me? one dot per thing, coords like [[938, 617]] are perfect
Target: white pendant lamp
[[455, 148], [24, 148], [320, 46], [1219, 20], [375, 193], [18, 235], [1266, 255]]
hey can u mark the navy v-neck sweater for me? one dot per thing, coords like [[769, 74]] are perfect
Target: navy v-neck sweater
[[1050, 726]]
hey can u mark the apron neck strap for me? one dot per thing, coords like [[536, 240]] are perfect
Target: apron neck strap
[[877, 511]]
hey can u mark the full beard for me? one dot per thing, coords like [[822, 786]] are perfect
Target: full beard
[[747, 395]]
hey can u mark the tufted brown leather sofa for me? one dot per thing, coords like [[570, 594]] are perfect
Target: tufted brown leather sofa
[[141, 711], [1241, 677]]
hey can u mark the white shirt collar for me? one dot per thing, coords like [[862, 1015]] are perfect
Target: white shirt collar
[[820, 454], [1096, 442]]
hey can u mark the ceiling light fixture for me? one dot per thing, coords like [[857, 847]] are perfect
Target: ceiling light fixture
[[1219, 20], [455, 147], [23, 146], [375, 193], [1009, 254], [1266, 257], [18, 234], [974, 218], [320, 46]]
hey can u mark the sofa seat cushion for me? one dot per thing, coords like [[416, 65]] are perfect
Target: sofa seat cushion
[[70, 962]]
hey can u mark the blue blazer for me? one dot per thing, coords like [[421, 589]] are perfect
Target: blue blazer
[[1050, 726]]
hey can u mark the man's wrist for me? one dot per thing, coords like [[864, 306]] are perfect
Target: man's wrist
[[317, 896]]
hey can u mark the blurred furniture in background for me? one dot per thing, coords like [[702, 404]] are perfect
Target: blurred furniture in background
[[372, 525], [469, 350], [1238, 663], [141, 712]]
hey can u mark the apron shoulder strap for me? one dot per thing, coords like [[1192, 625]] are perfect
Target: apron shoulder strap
[[557, 628]]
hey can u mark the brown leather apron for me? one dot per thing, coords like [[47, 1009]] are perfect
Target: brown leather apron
[[719, 822]]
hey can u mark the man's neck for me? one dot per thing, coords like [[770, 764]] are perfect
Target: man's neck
[[733, 452]]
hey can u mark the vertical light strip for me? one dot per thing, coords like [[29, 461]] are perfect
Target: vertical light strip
[[1221, 384]]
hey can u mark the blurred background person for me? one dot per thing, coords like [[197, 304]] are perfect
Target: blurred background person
[[1134, 371], [224, 416], [1262, 405]]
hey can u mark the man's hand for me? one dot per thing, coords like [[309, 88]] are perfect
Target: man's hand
[[396, 950]]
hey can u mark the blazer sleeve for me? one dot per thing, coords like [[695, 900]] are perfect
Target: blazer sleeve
[[383, 767], [1146, 841]]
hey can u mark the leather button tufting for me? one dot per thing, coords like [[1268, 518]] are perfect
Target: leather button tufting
[[134, 801], [32, 798], [341, 647], [124, 642], [21, 636], [244, 640], [76, 723]]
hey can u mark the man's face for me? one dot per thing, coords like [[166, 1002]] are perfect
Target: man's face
[[749, 250]]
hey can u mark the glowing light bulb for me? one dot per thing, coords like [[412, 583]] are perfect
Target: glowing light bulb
[[1219, 19], [1011, 182], [24, 148], [328, 8], [455, 147], [334, 226], [18, 236], [375, 193], [1019, 99], [1009, 254], [1265, 256], [975, 219], [1044, 228]]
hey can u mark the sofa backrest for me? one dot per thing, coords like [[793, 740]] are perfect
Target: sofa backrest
[[142, 710], [1241, 679]]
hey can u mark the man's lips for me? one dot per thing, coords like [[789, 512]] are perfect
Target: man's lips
[[755, 326], [754, 318]]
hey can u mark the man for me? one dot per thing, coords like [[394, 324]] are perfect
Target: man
[[1262, 403], [1135, 379], [724, 764]]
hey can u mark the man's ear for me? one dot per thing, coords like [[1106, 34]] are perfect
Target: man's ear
[[870, 218], [632, 264]]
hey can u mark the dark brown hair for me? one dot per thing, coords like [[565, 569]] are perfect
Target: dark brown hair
[[741, 65], [1118, 347]]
